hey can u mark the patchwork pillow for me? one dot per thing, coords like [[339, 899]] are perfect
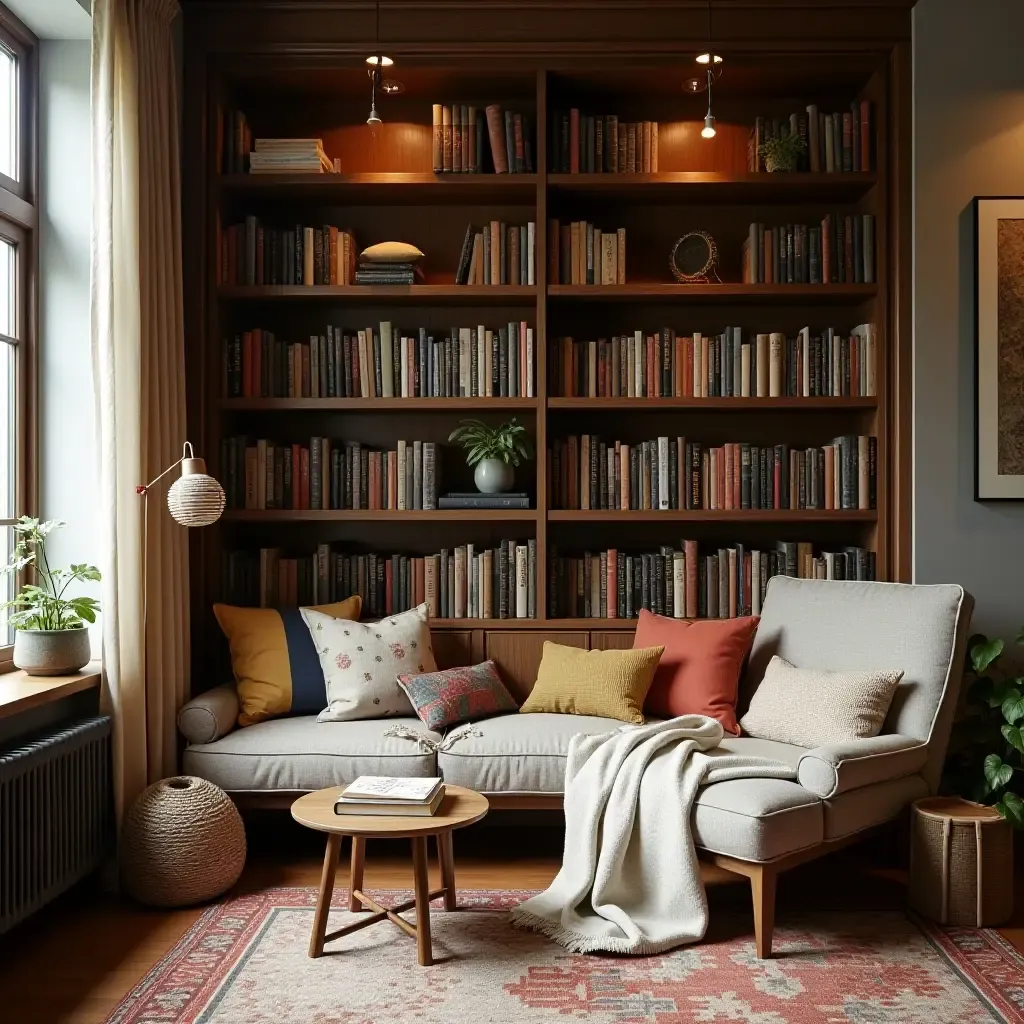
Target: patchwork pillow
[[609, 684], [361, 662], [273, 659], [814, 708], [699, 673], [455, 695]]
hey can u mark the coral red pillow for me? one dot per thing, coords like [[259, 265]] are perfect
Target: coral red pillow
[[457, 694], [699, 673]]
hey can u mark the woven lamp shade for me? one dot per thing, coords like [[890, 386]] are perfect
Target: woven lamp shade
[[195, 498], [183, 842]]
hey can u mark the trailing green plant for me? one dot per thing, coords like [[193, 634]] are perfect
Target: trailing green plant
[[783, 152], [986, 756], [43, 605], [508, 442]]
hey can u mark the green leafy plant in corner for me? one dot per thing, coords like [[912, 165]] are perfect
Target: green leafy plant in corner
[[986, 756], [783, 152], [509, 442], [43, 604]]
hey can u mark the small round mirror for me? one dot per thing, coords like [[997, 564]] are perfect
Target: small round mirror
[[694, 258]]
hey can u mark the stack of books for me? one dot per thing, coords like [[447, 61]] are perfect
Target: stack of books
[[463, 499], [385, 273], [280, 156], [382, 794]]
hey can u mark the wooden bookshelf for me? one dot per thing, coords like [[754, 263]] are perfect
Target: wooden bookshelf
[[304, 76]]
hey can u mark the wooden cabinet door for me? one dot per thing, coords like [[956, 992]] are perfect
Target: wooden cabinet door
[[452, 648], [517, 655], [620, 640]]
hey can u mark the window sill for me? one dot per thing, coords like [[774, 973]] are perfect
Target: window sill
[[20, 692]]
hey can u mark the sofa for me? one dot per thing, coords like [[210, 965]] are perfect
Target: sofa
[[750, 827]]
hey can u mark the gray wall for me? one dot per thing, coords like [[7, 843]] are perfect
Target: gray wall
[[69, 465], [968, 141]]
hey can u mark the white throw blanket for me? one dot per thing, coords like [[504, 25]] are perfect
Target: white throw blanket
[[629, 881]]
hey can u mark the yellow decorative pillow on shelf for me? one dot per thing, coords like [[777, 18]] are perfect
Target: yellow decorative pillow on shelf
[[608, 684], [276, 667]]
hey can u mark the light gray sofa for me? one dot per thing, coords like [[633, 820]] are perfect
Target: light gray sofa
[[751, 827]]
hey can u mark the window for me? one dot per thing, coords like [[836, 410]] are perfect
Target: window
[[18, 199]]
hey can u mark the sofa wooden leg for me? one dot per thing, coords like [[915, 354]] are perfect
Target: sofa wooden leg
[[762, 888]]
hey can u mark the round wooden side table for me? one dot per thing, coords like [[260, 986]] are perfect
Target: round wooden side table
[[459, 807], [961, 863]]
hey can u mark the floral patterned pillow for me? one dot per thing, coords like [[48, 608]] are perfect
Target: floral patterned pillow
[[362, 660], [457, 694]]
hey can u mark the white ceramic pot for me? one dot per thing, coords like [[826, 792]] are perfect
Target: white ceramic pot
[[51, 652], [492, 476]]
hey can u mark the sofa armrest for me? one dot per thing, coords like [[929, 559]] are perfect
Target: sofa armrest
[[839, 767], [210, 715]]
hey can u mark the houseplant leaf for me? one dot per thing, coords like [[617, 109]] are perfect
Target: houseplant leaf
[[1013, 736], [1011, 807], [1013, 706], [983, 654], [997, 772]]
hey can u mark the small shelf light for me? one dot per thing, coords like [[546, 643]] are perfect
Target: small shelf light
[[708, 131], [378, 60], [708, 57]]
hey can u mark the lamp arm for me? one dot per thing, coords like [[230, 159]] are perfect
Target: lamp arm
[[186, 453]]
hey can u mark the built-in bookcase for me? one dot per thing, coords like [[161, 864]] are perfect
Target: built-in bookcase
[[387, 191]]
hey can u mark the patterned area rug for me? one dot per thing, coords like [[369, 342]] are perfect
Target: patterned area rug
[[244, 962]]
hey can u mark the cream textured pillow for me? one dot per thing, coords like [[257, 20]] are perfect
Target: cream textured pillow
[[812, 708], [362, 661], [391, 252]]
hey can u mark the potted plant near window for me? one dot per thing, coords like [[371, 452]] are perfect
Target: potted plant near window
[[51, 638], [494, 451]]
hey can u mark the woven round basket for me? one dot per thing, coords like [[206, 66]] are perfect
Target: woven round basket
[[961, 863], [183, 842]]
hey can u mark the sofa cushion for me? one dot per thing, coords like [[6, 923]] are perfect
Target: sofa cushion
[[303, 754], [871, 805], [517, 753]]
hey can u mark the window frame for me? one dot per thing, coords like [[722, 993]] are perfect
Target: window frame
[[19, 221]]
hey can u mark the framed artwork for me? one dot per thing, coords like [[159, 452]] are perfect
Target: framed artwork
[[999, 348]]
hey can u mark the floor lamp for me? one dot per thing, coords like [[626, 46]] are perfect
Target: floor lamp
[[194, 499]]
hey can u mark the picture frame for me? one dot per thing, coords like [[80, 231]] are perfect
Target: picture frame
[[999, 348]]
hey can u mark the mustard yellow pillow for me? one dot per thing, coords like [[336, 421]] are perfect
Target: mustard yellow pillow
[[274, 661], [609, 684], [391, 252]]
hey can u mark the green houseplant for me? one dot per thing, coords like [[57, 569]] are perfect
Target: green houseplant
[[782, 152], [986, 755], [494, 451], [51, 637]]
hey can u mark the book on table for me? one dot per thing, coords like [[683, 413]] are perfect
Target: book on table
[[381, 794]]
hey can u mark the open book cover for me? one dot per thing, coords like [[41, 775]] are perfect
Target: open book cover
[[386, 789]]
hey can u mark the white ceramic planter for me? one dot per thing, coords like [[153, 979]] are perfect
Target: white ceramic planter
[[492, 476], [51, 652]]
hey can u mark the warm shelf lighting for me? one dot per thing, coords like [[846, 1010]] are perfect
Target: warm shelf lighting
[[709, 58], [708, 131], [379, 60]]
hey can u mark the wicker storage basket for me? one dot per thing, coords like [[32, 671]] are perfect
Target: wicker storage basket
[[961, 863]]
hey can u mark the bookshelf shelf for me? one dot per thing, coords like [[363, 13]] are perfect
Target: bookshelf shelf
[[362, 515], [390, 188], [413, 294], [735, 294], [654, 405], [389, 405], [715, 187], [711, 516]]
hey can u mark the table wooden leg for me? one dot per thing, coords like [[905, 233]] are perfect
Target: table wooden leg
[[355, 875], [421, 889], [446, 857], [323, 902]]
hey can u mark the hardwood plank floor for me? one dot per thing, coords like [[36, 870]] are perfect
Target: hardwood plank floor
[[73, 962]]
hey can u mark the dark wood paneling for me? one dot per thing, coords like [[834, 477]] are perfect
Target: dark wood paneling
[[518, 654], [452, 647], [619, 640]]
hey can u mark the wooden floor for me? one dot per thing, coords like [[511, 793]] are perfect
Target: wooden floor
[[74, 961]]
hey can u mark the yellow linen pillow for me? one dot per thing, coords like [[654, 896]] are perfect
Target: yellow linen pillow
[[391, 252], [609, 684], [274, 661]]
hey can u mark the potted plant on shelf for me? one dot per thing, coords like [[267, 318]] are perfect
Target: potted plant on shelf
[[51, 638], [495, 451], [783, 152]]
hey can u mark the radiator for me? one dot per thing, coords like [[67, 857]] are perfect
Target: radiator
[[56, 815]]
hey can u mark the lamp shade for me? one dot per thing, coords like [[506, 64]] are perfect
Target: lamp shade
[[195, 498]]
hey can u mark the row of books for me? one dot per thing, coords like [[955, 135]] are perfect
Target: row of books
[[498, 254], [580, 253], [252, 254], [283, 156], [382, 363], [601, 144], [835, 143], [458, 139], [455, 583], [670, 365], [686, 583], [666, 473], [328, 474], [839, 251]]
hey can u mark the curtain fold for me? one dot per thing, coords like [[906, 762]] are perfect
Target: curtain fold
[[139, 380]]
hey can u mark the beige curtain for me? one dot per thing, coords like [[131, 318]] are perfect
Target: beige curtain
[[138, 364]]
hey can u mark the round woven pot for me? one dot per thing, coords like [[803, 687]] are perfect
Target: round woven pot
[[183, 842]]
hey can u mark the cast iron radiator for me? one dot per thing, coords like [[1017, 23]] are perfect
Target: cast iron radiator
[[56, 814]]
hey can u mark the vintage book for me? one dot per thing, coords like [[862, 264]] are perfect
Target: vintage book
[[496, 134]]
